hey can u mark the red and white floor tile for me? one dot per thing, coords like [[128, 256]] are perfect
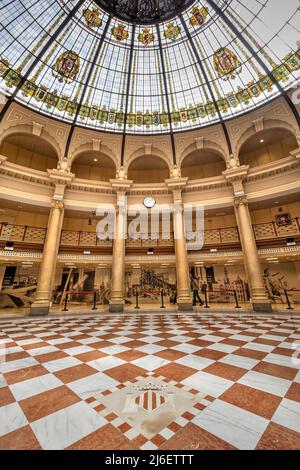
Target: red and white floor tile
[[150, 382]]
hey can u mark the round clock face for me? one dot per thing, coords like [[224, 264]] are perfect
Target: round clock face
[[149, 202]]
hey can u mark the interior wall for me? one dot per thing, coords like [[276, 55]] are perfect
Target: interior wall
[[21, 217], [269, 153], [93, 172], [27, 158], [203, 170]]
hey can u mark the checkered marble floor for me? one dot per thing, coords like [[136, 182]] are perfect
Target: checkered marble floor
[[145, 381]]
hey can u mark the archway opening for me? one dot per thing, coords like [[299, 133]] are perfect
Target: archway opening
[[267, 146], [29, 151], [202, 164], [93, 165], [148, 169]]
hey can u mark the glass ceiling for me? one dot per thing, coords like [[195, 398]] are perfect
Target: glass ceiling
[[76, 62]]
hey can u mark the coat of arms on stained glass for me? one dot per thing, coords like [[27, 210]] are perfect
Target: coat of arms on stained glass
[[199, 16], [146, 37], [66, 67], [92, 17], [119, 32], [172, 32], [226, 64]]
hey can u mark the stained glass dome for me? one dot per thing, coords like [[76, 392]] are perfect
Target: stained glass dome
[[146, 66]]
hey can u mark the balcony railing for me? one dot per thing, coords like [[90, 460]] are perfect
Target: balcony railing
[[222, 236]]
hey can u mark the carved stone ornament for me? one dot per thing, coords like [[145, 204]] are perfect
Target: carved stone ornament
[[233, 161], [176, 172]]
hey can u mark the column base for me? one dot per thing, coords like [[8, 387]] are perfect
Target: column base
[[116, 308], [38, 310], [265, 307], [185, 306]]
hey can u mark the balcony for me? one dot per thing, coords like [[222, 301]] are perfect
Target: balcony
[[26, 237]]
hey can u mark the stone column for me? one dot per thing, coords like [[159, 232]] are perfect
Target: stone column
[[184, 300], [2, 272], [118, 261], [42, 301], [259, 297]]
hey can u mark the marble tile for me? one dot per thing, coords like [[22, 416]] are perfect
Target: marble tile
[[105, 363], [282, 372], [19, 364], [288, 415], [239, 361], [208, 383], [195, 362], [234, 425], [43, 404], [11, 418], [78, 350], [20, 439], [59, 364], [259, 347], [223, 347], [151, 348], [88, 386], [278, 437], [44, 350], [266, 383], [257, 402], [150, 363], [62, 428], [186, 348], [115, 349], [28, 388], [282, 360], [3, 382]]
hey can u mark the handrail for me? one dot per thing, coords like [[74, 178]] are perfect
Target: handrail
[[263, 231]]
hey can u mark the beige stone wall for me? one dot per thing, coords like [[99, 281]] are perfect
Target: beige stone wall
[[93, 172], [27, 158], [203, 170], [269, 153]]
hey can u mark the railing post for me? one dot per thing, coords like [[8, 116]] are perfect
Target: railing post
[[95, 301], [66, 302], [136, 300], [236, 300], [24, 233], [206, 299], [162, 299], [288, 300]]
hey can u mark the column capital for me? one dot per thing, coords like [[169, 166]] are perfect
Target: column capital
[[241, 200], [60, 176], [296, 154], [236, 174], [3, 159], [176, 184], [120, 185], [57, 204]]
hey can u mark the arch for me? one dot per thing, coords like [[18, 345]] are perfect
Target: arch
[[268, 124], [29, 150], [206, 144], [155, 152], [148, 169], [27, 129], [266, 146], [202, 163], [92, 147], [93, 165]]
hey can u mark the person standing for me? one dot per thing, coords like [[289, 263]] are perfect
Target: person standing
[[196, 295]]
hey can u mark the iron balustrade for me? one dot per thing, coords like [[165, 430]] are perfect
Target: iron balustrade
[[219, 236]]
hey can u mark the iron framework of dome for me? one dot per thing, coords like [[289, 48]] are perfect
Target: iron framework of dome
[[213, 60]]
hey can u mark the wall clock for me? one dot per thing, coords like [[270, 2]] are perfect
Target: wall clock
[[149, 202]]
